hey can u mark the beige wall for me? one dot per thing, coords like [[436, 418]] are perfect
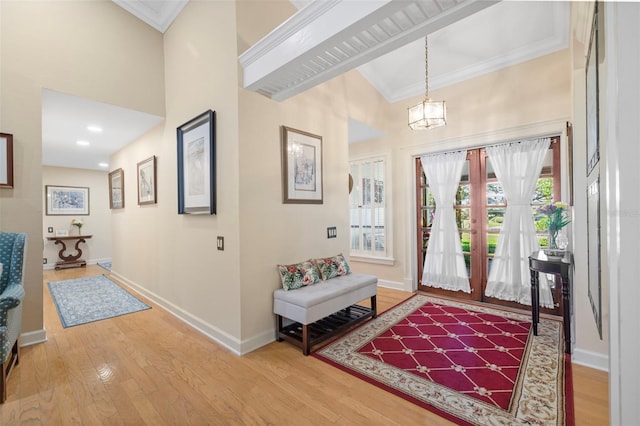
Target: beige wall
[[484, 110], [97, 223], [71, 47], [91, 49], [587, 337], [169, 257], [527, 100], [271, 232]]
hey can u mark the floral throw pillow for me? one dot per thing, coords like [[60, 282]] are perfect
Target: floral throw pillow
[[298, 275], [331, 267]]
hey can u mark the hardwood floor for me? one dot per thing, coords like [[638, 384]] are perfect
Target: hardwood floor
[[150, 368]]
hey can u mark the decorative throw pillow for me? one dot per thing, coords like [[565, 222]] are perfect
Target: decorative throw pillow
[[298, 275], [331, 267]]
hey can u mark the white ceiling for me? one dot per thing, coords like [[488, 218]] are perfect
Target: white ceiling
[[65, 121], [501, 35]]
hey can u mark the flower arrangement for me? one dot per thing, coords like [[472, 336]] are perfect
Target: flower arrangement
[[558, 219], [78, 223]]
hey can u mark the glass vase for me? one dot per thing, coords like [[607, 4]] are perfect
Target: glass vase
[[553, 235]]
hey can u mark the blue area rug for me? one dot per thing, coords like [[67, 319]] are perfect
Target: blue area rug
[[89, 299], [105, 265]]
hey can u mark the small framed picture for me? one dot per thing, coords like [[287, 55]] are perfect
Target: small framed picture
[[62, 233], [301, 167], [66, 200], [116, 189], [6, 160], [147, 181], [197, 165], [592, 100]]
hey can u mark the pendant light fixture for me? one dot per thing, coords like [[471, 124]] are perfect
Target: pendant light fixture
[[427, 114]]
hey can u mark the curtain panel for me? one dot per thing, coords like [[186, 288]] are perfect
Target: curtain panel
[[517, 167], [444, 265]]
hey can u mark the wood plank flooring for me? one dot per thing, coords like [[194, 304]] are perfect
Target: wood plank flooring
[[150, 368]]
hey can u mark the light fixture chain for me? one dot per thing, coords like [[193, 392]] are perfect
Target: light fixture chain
[[426, 67]]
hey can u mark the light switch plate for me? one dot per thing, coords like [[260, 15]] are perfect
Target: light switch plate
[[220, 243]]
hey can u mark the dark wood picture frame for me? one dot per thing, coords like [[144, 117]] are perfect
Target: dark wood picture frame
[[592, 97], [593, 251], [197, 165], [570, 158], [6, 160], [147, 190], [116, 189], [66, 200], [301, 167]]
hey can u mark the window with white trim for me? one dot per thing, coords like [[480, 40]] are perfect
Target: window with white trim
[[368, 215]]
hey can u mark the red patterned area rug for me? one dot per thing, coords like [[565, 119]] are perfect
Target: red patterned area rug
[[471, 364]]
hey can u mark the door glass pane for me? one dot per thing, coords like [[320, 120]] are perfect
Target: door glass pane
[[465, 172], [463, 196], [495, 194], [547, 164], [491, 174], [463, 218], [427, 216], [495, 217], [465, 242]]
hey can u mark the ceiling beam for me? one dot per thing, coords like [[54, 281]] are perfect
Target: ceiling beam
[[330, 37]]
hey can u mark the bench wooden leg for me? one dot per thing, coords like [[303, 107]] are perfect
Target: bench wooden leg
[[279, 329], [306, 344], [374, 309]]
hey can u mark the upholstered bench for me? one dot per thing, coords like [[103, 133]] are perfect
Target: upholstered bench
[[324, 309]]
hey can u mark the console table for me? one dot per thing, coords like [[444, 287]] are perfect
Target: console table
[[70, 260], [560, 266]]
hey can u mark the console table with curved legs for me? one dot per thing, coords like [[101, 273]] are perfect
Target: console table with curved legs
[[539, 262], [70, 260]]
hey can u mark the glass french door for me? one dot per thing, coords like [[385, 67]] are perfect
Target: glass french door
[[480, 206]]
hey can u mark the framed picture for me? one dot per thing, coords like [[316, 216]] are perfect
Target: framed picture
[[116, 189], [570, 157], [197, 165], [6, 160], [66, 200], [592, 102], [147, 181], [593, 252], [301, 167]]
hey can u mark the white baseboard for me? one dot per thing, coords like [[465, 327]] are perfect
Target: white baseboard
[[590, 359], [52, 265], [225, 339], [394, 285], [33, 337]]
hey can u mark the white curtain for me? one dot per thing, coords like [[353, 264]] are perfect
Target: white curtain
[[444, 264], [517, 167]]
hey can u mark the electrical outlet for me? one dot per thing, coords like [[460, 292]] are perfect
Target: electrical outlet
[[220, 243], [50, 229], [332, 232]]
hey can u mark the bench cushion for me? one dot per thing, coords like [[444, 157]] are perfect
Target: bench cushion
[[311, 303]]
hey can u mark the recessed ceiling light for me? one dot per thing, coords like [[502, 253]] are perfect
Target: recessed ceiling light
[[95, 129], [103, 165], [82, 143]]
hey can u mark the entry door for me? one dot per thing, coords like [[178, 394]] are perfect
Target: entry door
[[480, 206]]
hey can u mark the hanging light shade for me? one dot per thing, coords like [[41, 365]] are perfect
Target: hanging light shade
[[428, 113]]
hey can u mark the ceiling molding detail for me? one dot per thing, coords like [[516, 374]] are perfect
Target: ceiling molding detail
[[328, 38], [157, 13], [557, 39]]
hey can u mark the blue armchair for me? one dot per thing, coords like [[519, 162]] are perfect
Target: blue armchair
[[12, 251]]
